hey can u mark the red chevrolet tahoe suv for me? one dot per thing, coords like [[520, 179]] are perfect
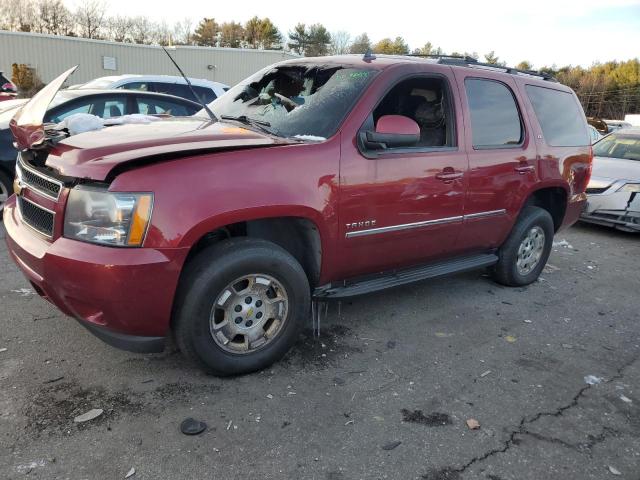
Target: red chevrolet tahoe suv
[[315, 179]]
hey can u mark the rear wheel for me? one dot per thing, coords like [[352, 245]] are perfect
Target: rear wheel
[[240, 306], [525, 252], [5, 189]]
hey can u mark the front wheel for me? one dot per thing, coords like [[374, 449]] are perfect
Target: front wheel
[[240, 306], [525, 252]]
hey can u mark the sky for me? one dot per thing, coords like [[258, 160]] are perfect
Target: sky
[[544, 32]]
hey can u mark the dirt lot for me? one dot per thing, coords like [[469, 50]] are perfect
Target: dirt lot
[[385, 393]]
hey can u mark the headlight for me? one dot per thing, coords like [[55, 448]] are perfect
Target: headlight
[[97, 216], [630, 187]]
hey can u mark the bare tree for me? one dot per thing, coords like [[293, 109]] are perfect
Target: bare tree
[[52, 17], [182, 32], [340, 43], [141, 30], [17, 15], [90, 17], [160, 33], [119, 28]]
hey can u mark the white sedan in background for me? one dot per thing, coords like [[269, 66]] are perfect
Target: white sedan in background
[[206, 90], [614, 189]]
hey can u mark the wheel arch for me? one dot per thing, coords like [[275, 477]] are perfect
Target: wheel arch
[[300, 231], [553, 197]]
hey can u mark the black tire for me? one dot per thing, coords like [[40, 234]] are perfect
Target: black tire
[[208, 274], [506, 270], [7, 186]]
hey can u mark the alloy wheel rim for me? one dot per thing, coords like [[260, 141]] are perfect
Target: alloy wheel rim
[[249, 313], [530, 250]]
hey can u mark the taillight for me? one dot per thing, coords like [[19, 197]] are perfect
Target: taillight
[[8, 86]]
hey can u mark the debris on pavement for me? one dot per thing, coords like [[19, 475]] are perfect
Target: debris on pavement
[[625, 399], [484, 374], [548, 268], [528, 321], [190, 426], [443, 335], [473, 424], [24, 292], [510, 338], [3, 350], [391, 445], [563, 243], [53, 380], [592, 380], [269, 396], [90, 415], [614, 470], [391, 344], [435, 419], [130, 473]]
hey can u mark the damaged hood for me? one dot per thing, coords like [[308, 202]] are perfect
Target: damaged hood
[[94, 154], [27, 125], [607, 170]]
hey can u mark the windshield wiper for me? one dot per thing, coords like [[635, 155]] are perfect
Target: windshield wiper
[[261, 124]]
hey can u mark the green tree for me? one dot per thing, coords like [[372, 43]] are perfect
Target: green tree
[[262, 33], [206, 33], [361, 44], [231, 34], [299, 38], [319, 41], [391, 47], [524, 65], [493, 59], [427, 49]]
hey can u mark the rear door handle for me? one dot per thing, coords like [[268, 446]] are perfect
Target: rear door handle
[[525, 169], [448, 176]]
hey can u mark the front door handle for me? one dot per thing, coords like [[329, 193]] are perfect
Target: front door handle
[[449, 175], [525, 169]]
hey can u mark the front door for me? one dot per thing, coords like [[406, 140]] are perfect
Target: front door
[[402, 206]]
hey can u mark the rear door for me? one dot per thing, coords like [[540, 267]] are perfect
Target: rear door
[[502, 157]]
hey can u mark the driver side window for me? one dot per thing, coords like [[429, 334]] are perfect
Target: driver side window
[[426, 101]]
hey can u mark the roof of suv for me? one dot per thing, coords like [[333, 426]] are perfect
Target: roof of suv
[[381, 62]]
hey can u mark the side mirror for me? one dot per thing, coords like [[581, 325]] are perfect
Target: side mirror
[[392, 131]]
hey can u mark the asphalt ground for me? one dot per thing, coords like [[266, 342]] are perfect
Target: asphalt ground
[[385, 392]]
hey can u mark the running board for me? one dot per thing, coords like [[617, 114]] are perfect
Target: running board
[[403, 277]]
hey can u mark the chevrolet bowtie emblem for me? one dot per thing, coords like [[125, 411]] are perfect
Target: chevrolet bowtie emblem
[[17, 187]]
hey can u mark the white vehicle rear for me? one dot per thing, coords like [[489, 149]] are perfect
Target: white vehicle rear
[[206, 90]]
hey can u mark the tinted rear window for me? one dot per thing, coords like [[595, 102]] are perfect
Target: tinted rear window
[[495, 121], [560, 116]]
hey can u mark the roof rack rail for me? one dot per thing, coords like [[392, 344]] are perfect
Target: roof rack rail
[[472, 62]]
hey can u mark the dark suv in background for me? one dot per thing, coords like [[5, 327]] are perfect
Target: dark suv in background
[[316, 178]]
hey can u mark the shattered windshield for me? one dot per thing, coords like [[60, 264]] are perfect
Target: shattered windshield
[[618, 146], [308, 101]]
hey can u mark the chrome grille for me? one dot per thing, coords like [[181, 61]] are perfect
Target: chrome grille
[[37, 217], [40, 183]]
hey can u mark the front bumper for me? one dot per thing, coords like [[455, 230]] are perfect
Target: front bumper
[[123, 295], [618, 209]]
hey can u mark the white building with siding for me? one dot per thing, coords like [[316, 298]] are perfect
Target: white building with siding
[[49, 55]]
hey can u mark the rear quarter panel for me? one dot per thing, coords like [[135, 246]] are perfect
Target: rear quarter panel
[[566, 167]]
